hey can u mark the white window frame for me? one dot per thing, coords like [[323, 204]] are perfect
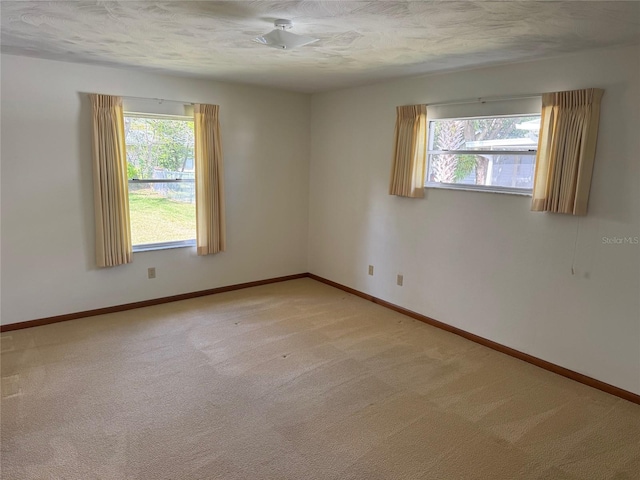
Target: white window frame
[[146, 247], [469, 187]]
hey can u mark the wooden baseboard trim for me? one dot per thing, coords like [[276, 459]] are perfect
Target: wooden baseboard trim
[[144, 303], [552, 367]]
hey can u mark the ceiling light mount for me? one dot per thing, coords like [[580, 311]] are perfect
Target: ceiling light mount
[[283, 24], [282, 39]]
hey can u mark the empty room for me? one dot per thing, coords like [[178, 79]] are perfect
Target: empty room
[[333, 240]]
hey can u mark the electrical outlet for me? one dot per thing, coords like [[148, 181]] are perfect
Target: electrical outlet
[[151, 272], [370, 269], [400, 279]]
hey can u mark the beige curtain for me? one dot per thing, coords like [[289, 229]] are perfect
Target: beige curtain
[[410, 152], [210, 222], [110, 187], [566, 151]]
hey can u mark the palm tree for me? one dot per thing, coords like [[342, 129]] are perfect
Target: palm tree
[[449, 136]]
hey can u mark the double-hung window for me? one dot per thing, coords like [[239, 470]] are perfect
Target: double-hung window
[[488, 153], [161, 174]]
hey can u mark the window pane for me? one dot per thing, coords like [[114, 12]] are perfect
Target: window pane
[[513, 171], [157, 149], [162, 212], [497, 133]]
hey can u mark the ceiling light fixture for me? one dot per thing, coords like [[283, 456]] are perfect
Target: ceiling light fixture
[[283, 40]]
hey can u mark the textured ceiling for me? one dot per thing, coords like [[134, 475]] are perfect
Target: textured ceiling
[[360, 41]]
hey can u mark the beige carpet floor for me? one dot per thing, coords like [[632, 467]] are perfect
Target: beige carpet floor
[[295, 380]]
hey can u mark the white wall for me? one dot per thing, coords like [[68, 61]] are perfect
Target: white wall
[[47, 196], [479, 261]]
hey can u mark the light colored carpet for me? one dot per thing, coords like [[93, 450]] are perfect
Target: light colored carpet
[[295, 380]]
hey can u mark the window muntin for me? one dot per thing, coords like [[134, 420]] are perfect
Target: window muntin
[[495, 154], [160, 169]]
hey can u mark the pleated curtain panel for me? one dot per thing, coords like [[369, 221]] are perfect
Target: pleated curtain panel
[[210, 218], [110, 187], [566, 151], [410, 152]]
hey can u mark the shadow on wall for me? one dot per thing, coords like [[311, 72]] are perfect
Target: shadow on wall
[[85, 168], [614, 179]]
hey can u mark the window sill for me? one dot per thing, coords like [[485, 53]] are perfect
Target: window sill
[[148, 247], [481, 188]]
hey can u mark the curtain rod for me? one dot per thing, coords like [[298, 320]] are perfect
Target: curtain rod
[[159, 100], [485, 100]]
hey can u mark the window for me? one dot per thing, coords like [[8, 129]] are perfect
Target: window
[[160, 169], [495, 154]]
